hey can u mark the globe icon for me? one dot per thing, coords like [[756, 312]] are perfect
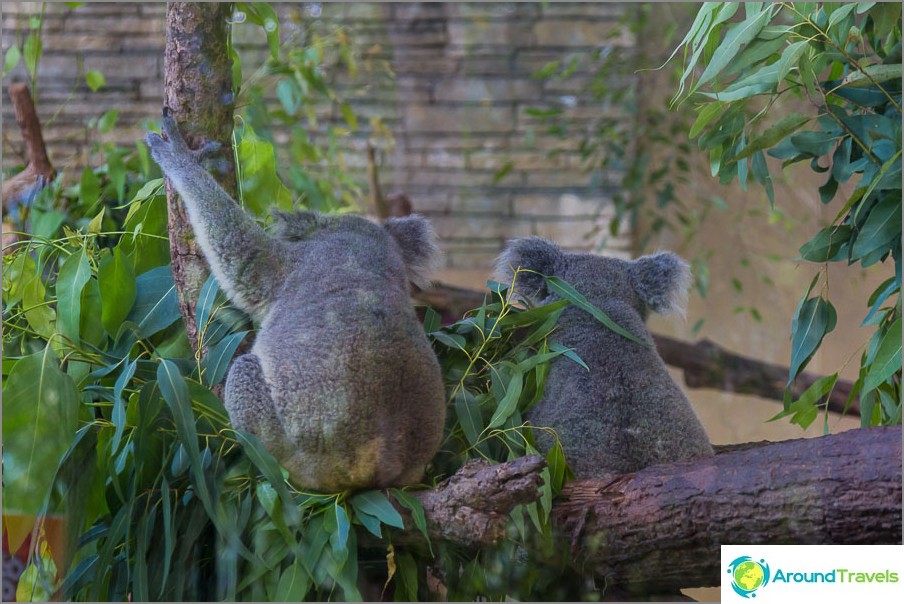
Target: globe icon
[[748, 575]]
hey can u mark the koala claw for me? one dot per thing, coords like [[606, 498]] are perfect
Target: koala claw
[[207, 150]]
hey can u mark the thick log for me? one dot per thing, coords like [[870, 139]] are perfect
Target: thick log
[[660, 529], [705, 364], [197, 87]]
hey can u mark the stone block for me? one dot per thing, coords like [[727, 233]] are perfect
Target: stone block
[[487, 89], [484, 201], [480, 228], [443, 158], [452, 118], [570, 33], [564, 205], [417, 11], [478, 32], [493, 10]]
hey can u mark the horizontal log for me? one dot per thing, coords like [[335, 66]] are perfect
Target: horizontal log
[[659, 530]]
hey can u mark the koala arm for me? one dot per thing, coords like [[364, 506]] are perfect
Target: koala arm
[[246, 261]]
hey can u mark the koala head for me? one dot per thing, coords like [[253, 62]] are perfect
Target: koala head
[[656, 282], [413, 235]]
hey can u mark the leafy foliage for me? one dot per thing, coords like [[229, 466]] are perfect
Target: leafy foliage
[[845, 61], [110, 418]]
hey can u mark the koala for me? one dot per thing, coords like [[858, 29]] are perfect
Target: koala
[[341, 385], [626, 413]]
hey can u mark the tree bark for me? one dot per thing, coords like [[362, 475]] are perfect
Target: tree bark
[[198, 90], [705, 364], [22, 187], [659, 530]]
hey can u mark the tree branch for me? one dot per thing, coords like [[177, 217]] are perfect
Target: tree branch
[[659, 530]]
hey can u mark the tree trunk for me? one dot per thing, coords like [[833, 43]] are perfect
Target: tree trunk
[[198, 90], [659, 530]]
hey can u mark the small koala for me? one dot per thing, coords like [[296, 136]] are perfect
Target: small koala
[[626, 413], [341, 385]]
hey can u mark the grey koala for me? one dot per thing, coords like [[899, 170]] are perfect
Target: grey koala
[[341, 384], [626, 413]]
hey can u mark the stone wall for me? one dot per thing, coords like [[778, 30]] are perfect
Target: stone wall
[[457, 105]]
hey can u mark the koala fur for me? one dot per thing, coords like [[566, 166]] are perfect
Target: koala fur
[[626, 413], [341, 385]]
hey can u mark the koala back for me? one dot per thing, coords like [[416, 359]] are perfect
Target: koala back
[[353, 379], [626, 413]]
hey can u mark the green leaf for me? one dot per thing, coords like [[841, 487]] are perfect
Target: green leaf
[[348, 115], [119, 407], [11, 59], [269, 467], [375, 503], [775, 133], [706, 115], [261, 184], [175, 392], [569, 353], [71, 280], [89, 190], [118, 289], [509, 403], [825, 246], [156, 305], [40, 418], [738, 35], [872, 74], [411, 503], [216, 361], [106, 123], [95, 80], [887, 361], [31, 51], [431, 320], [293, 584], [790, 57], [568, 292], [339, 536], [880, 228], [469, 417], [814, 319]]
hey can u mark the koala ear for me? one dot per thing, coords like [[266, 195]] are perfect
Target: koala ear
[[532, 254], [420, 251], [661, 280]]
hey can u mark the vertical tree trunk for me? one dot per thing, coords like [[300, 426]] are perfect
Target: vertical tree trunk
[[197, 86]]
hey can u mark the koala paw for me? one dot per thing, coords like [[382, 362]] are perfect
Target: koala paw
[[173, 150]]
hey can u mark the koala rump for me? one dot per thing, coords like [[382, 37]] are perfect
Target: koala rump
[[626, 413]]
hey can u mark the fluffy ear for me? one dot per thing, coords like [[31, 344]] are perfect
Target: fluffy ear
[[420, 251], [531, 254], [661, 280]]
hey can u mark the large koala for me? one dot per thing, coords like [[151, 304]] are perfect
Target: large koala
[[341, 384], [626, 413]]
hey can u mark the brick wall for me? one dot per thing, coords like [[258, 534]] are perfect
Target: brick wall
[[457, 105]]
